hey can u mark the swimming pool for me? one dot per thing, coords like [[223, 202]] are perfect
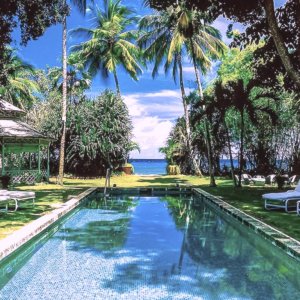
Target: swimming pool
[[151, 248]]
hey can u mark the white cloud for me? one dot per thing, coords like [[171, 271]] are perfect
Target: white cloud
[[189, 70], [153, 115]]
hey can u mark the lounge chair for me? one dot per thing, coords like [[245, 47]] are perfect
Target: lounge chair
[[18, 196], [294, 179], [282, 200], [259, 180], [5, 199], [271, 179]]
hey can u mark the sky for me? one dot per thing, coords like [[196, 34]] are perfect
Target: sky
[[154, 105]]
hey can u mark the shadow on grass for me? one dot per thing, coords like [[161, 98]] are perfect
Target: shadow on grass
[[46, 200], [249, 199]]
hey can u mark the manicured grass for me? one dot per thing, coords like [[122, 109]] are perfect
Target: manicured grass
[[248, 199]]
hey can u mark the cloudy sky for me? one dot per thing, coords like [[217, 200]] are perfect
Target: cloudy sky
[[154, 105]]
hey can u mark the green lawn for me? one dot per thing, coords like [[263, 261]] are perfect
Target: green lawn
[[50, 196]]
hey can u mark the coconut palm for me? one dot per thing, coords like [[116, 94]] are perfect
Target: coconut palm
[[20, 87], [169, 34], [109, 43], [164, 47], [81, 5], [77, 79], [203, 43]]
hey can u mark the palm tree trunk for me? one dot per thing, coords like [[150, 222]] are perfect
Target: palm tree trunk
[[241, 148], [64, 103], [117, 82], [206, 124], [279, 43], [187, 120], [230, 154]]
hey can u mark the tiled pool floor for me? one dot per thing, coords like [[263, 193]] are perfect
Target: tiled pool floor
[[151, 248]]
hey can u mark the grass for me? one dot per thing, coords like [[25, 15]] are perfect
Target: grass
[[248, 199]]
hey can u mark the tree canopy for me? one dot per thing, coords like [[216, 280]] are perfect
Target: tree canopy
[[31, 16]]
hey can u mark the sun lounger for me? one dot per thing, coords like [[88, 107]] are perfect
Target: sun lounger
[[5, 199], [282, 200], [18, 196]]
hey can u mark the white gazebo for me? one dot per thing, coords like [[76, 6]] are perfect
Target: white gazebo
[[21, 147]]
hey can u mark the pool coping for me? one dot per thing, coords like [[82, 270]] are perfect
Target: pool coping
[[290, 245], [20, 237]]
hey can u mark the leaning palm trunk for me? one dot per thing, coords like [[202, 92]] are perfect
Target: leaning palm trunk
[[187, 122], [64, 104], [117, 82], [279, 43], [206, 125]]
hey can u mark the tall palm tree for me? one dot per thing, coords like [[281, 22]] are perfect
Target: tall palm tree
[[243, 101], [20, 87], [81, 4], [203, 43], [163, 45], [109, 43]]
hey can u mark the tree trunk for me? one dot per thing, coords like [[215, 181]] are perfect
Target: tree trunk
[[206, 125], [279, 43], [230, 154], [241, 148], [64, 103], [187, 121], [117, 83]]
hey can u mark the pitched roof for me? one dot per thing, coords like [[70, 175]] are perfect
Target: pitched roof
[[18, 129], [10, 111]]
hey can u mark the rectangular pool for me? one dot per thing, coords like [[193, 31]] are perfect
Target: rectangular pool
[[151, 248]]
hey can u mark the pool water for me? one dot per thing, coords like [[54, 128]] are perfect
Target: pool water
[[153, 248]]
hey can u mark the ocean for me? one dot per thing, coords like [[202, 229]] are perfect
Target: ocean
[[149, 166], [158, 166]]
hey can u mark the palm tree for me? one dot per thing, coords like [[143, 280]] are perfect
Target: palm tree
[[223, 103], [163, 45], [20, 87], [77, 79], [81, 4], [109, 43], [243, 101], [203, 43]]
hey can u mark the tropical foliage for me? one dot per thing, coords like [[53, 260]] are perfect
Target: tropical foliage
[[109, 42], [249, 113], [169, 36], [20, 88], [98, 131]]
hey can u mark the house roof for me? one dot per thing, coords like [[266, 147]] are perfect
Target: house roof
[[18, 129], [7, 110]]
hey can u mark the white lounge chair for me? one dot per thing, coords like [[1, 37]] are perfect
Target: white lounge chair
[[294, 179], [18, 196], [5, 199], [282, 200], [271, 179], [259, 180]]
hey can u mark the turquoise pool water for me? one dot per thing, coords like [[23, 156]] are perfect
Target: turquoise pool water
[[151, 248]]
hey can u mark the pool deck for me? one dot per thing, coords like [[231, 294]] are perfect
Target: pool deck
[[14, 241]]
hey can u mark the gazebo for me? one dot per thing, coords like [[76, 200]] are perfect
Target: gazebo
[[21, 147]]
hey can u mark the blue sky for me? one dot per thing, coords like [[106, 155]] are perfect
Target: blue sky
[[153, 104]]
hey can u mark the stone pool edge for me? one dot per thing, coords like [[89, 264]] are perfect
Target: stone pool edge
[[20, 237], [288, 244]]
